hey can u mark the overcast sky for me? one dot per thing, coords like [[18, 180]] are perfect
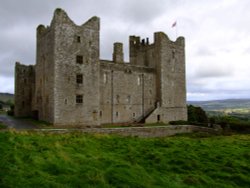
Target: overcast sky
[[217, 34]]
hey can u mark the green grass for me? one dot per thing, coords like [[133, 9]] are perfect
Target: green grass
[[2, 126], [82, 160]]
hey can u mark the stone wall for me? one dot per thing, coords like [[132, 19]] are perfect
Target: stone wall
[[170, 79], [76, 53], [24, 89], [127, 92], [145, 132], [44, 99]]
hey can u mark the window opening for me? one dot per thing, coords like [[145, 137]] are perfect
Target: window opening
[[128, 98], [158, 117], [139, 80], [79, 99], [79, 78], [105, 78], [117, 98], [78, 39], [79, 59], [173, 54]]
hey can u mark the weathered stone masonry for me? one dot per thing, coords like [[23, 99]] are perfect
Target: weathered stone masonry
[[70, 85]]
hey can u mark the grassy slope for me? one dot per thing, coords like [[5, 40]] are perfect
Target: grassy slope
[[78, 160]]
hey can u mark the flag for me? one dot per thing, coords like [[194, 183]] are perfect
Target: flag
[[174, 24]]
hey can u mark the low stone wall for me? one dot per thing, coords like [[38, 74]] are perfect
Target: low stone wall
[[159, 131]]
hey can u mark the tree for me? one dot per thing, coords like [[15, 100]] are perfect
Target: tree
[[197, 115]]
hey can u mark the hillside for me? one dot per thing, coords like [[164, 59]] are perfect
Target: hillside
[[6, 97], [30, 159], [218, 105]]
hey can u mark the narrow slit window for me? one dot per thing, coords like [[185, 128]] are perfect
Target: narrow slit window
[[105, 78], [138, 80], [78, 39], [173, 54], [158, 118]]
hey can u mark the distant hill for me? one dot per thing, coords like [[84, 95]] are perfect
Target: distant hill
[[6, 97], [217, 105]]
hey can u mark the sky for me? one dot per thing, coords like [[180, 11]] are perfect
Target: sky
[[217, 34]]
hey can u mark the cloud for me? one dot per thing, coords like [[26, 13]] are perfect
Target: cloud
[[204, 51], [141, 12], [213, 71]]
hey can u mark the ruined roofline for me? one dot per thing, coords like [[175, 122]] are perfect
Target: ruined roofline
[[136, 40], [23, 65], [60, 16], [180, 41]]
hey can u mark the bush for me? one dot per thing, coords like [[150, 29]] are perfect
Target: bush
[[180, 122], [197, 115], [11, 111]]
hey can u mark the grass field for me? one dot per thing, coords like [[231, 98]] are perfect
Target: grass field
[[82, 160], [2, 126]]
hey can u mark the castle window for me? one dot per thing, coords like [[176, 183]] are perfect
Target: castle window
[[117, 98], [158, 118], [100, 113], [117, 114], [78, 39], [133, 115], [105, 78], [173, 54], [94, 114], [79, 78], [79, 99], [79, 59], [139, 80], [128, 98], [65, 101]]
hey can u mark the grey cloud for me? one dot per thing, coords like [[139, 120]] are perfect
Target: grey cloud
[[144, 11], [204, 51], [213, 72], [15, 11]]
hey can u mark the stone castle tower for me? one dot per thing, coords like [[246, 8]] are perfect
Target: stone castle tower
[[69, 85]]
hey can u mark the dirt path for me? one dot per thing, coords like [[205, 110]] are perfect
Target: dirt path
[[16, 123]]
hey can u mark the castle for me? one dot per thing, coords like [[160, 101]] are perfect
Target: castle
[[71, 86]]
